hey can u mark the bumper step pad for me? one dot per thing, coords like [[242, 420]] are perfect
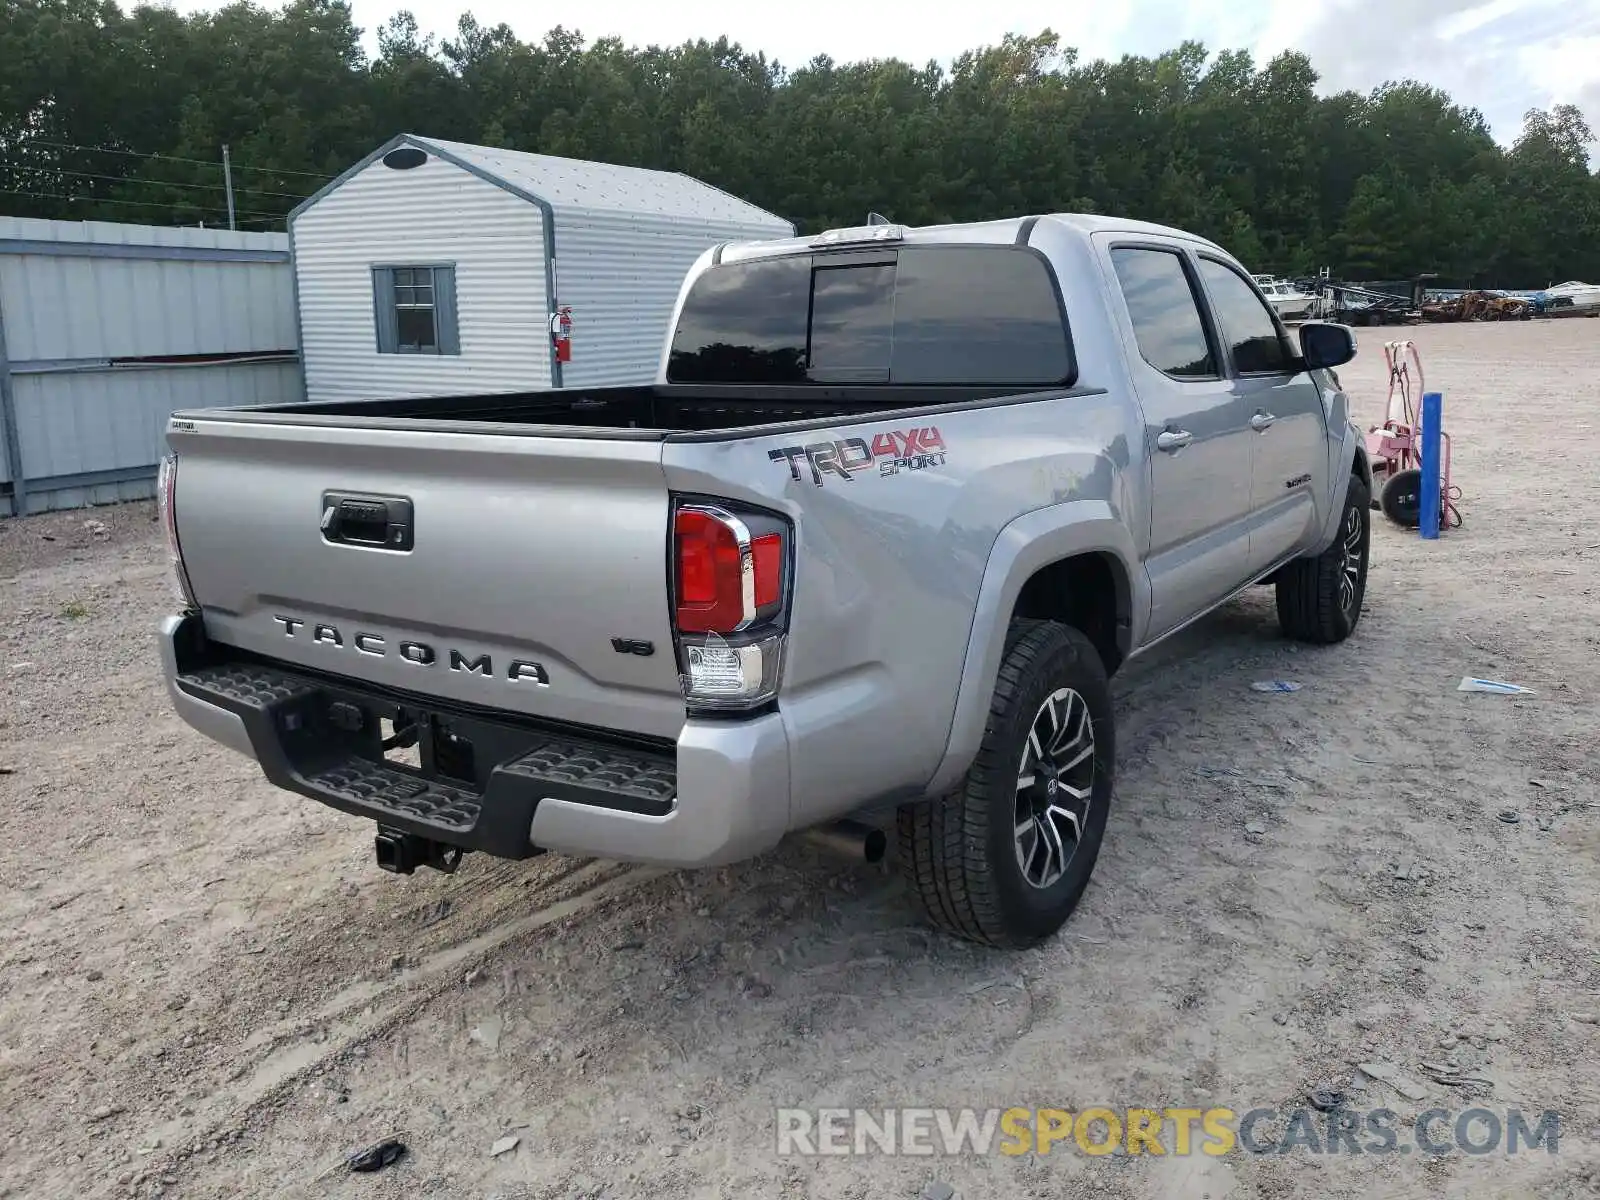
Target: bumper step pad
[[400, 794], [301, 747], [248, 686], [644, 777]]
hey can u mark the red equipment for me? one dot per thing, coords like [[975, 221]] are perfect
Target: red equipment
[[561, 333], [1395, 447]]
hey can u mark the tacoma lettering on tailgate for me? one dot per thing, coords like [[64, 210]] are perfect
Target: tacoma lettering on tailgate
[[419, 654]]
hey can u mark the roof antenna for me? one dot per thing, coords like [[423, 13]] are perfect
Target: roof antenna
[[874, 218]]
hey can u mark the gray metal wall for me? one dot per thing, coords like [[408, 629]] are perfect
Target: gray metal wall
[[88, 313]]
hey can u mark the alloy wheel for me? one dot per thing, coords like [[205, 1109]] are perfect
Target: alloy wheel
[[1055, 786], [1350, 566]]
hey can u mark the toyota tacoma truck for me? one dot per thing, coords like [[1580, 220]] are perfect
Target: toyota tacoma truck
[[899, 503]]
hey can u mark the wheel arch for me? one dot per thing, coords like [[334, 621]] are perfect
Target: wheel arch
[[1091, 592], [1066, 556], [1350, 460], [1361, 464]]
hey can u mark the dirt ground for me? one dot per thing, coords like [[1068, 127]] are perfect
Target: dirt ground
[[208, 989]]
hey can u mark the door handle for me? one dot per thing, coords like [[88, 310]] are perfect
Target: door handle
[[1173, 440], [1262, 421]]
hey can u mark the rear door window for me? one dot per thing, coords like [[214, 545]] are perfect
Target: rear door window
[[1165, 312], [971, 315]]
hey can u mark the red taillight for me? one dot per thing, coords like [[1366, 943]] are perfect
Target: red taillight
[[729, 580], [710, 573], [767, 553], [716, 592]]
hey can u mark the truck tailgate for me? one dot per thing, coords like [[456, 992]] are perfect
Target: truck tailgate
[[526, 558]]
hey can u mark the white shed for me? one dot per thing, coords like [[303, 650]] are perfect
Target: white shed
[[433, 268]]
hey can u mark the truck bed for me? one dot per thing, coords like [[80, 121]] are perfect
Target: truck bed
[[652, 412]]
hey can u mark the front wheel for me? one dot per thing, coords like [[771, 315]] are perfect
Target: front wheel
[[1004, 859], [1320, 599]]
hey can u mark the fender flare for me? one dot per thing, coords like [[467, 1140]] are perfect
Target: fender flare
[[1350, 458], [1024, 546]]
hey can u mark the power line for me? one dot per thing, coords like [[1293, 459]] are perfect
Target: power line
[[30, 141], [92, 200], [214, 187]]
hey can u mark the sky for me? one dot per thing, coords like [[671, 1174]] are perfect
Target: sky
[[1502, 57]]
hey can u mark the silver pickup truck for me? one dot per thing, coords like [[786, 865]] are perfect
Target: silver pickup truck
[[900, 503]]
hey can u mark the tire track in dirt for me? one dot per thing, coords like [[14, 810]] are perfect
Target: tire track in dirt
[[274, 1059]]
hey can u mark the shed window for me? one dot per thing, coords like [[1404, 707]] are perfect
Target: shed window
[[415, 310]]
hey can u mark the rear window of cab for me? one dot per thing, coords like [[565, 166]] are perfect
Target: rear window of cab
[[969, 315]]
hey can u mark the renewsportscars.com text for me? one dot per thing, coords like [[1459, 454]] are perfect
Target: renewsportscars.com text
[[1161, 1131]]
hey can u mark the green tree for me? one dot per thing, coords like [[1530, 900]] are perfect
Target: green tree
[[122, 114], [1552, 233]]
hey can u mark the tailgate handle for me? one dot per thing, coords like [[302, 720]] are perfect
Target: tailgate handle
[[377, 522]]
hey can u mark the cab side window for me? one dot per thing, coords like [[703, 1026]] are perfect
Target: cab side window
[[1247, 324], [1165, 312]]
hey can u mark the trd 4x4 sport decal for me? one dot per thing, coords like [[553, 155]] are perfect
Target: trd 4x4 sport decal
[[893, 451]]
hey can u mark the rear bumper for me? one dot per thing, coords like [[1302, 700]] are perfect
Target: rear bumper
[[719, 795]]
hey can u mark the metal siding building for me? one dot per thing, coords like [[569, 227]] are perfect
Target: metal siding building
[[522, 235], [89, 310]]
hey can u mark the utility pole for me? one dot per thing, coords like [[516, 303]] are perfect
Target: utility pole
[[227, 182]]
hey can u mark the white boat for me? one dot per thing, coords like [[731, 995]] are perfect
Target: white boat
[[1288, 301], [1572, 299]]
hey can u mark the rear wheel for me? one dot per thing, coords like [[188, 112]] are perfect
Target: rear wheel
[[1004, 859], [1320, 599]]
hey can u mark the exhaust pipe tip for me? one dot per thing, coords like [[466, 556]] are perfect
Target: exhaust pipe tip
[[875, 845], [852, 839]]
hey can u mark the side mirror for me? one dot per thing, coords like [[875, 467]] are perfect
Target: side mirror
[[1324, 344]]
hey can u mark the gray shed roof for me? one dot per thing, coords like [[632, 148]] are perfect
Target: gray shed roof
[[575, 183], [571, 183]]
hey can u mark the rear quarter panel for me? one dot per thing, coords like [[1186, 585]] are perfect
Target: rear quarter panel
[[890, 562]]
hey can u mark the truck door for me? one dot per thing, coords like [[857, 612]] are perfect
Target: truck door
[[1283, 407], [1197, 435]]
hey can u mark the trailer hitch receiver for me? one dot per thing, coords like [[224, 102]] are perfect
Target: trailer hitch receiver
[[402, 853]]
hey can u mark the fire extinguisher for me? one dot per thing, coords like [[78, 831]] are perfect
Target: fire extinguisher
[[561, 333]]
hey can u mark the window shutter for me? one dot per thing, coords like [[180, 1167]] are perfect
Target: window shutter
[[383, 310], [444, 310]]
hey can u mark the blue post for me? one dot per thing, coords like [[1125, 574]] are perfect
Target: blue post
[[1428, 516]]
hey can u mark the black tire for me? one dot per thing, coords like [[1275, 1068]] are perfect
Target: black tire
[[1314, 603], [1401, 498], [960, 854]]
